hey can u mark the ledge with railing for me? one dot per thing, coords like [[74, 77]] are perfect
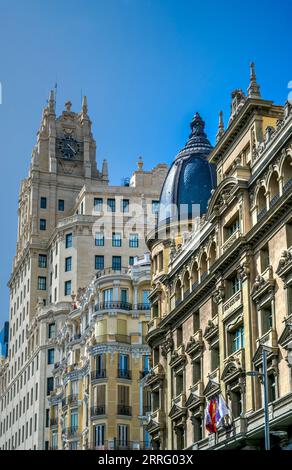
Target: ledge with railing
[[124, 374], [124, 410], [98, 374], [113, 305], [97, 410], [72, 431]]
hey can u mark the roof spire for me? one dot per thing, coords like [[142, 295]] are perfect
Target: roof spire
[[51, 102], [221, 130], [253, 88], [84, 105], [104, 170]]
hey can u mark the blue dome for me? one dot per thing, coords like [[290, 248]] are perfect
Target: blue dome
[[190, 178]]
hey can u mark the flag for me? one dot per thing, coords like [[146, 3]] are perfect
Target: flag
[[217, 414]]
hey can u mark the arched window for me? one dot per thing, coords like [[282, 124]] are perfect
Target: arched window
[[212, 254], [274, 188], [204, 268], [287, 174], [261, 202], [186, 284], [178, 296], [195, 275]]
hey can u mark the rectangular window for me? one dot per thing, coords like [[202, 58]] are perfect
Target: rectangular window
[[125, 205], [98, 201], [43, 203], [42, 283], [116, 263], [43, 224], [52, 330], [99, 431], [50, 385], [238, 339], [74, 419], [131, 260], [61, 205], [99, 239], [51, 355], [67, 289], [155, 207], [42, 261], [123, 435], [47, 418], [134, 240], [99, 262], [116, 239], [68, 264], [235, 285], [68, 240], [124, 295], [111, 203], [108, 295]]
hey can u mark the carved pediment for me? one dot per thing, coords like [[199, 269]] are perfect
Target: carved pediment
[[232, 369], [263, 284], [257, 359], [194, 401], [285, 263], [212, 388], [152, 426], [286, 336], [176, 411], [211, 331], [178, 357], [195, 344]]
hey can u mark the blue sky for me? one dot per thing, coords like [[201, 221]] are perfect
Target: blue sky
[[146, 67]]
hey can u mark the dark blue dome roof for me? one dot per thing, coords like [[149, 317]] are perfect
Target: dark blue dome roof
[[190, 178]]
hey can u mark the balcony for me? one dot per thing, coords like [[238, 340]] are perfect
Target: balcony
[[54, 421], [98, 374], [153, 324], [72, 431], [287, 185], [268, 339], [180, 400], [73, 399], [146, 410], [155, 375], [143, 373], [158, 416], [95, 446], [124, 410], [274, 200], [113, 338], [113, 305], [124, 374], [233, 303], [143, 306], [97, 410], [230, 240]]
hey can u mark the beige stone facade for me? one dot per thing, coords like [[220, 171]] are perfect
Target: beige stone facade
[[100, 401], [71, 223], [223, 291]]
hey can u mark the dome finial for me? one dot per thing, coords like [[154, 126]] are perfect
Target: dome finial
[[221, 130], [140, 163], [253, 88]]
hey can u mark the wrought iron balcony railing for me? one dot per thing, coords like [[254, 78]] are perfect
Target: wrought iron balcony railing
[[124, 374], [124, 410], [97, 410], [98, 374]]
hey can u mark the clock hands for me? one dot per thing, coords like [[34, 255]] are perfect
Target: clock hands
[[73, 150]]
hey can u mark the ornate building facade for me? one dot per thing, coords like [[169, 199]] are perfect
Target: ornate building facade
[[71, 223], [224, 291], [99, 400]]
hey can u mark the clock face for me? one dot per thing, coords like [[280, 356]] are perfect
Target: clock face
[[68, 147]]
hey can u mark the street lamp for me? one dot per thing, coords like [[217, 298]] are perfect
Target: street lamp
[[264, 376]]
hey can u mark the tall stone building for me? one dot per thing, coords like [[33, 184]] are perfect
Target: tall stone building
[[223, 292], [100, 401], [71, 223]]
